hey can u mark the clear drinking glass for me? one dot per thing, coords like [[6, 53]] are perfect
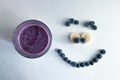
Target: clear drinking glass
[[32, 38]]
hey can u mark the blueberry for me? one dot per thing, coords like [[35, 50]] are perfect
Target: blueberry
[[91, 23], [86, 63], [83, 40], [73, 64], [94, 27], [69, 61], [91, 62], [71, 20], [59, 51], [99, 56], [95, 60], [62, 55], [77, 65], [67, 23], [81, 64], [86, 24], [102, 51], [65, 59], [76, 22], [76, 40]]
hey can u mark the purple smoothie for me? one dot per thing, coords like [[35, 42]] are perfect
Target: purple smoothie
[[32, 39]]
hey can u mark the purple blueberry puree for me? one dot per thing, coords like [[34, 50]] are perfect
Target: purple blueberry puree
[[34, 39]]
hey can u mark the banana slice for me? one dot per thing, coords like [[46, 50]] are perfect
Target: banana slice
[[85, 36], [74, 37]]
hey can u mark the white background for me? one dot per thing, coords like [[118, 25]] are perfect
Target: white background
[[106, 14]]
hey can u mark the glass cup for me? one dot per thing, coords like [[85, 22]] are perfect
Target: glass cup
[[32, 39]]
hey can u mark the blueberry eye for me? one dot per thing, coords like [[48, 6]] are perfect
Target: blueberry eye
[[85, 37], [83, 40], [77, 40]]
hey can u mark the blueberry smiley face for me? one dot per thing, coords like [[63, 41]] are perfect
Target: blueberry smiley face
[[77, 38]]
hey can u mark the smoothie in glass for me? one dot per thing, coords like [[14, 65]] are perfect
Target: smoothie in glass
[[32, 38]]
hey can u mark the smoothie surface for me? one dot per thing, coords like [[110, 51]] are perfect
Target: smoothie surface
[[33, 39]]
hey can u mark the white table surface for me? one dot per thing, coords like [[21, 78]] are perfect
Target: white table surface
[[106, 14]]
